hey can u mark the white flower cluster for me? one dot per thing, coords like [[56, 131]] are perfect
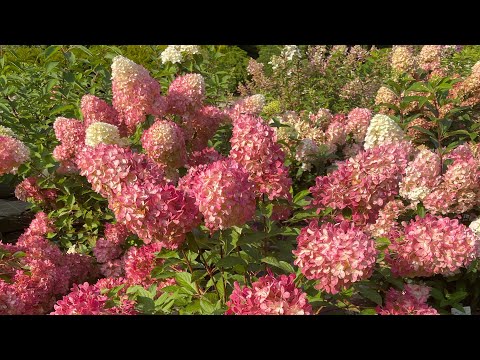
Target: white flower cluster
[[103, 133], [290, 51], [306, 153], [176, 53], [475, 226], [4, 131], [382, 130]]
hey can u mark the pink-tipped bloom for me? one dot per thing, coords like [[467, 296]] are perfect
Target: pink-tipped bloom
[[269, 295], [164, 142], [200, 126], [139, 263], [156, 213], [207, 156], [254, 147], [411, 301], [110, 247], [95, 109], [250, 105], [335, 255], [186, 94], [433, 245], [13, 153], [363, 183], [71, 134], [28, 190], [135, 93], [110, 168], [223, 192], [357, 123], [422, 176]]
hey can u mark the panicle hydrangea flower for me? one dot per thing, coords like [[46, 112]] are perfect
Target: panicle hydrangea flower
[[110, 168], [103, 133], [459, 191], [336, 255], [172, 54], [475, 226], [411, 301], [322, 118], [269, 295], [254, 147], [403, 60], [357, 123], [156, 213], [164, 142], [186, 94], [307, 152], [86, 299], [50, 273], [386, 224], [135, 93], [28, 190], [112, 268], [109, 247], [350, 150], [336, 133], [382, 130], [385, 95], [363, 183], [13, 153], [252, 105], [422, 176], [430, 57], [139, 263], [433, 245], [190, 49], [95, 110], [5, 131], [223, 192], [471, 85], [290, 51], [200, 126], [207, 156]]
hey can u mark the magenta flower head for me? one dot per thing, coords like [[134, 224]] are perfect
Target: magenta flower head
[[357, 124], [411, 301], [223, 193], [335, 255], [95, 109], [186, 94], [269, 295]]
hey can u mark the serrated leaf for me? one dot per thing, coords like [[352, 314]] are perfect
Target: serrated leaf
[[370, 294], [206, 306], [230, 261], [184, 280], [300, 195]]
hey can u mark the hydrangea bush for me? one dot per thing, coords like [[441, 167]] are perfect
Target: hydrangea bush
[[164, 199]]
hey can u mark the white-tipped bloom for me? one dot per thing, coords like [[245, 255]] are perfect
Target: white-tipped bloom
[[102, 133], [290, 51], [125, 71], [5, 131], [190, 49], [172, 54], [382, 130]]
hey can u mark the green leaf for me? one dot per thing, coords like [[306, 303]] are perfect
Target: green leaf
[[50, 51], [184, 280], [206, 306], [49, 67], [300, 195], [421, 210], [145, 305], [382, 243], [347, 213], [370, 294], [303, 215], [230, 261]]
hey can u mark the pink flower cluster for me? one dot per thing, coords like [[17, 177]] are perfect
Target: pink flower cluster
[[254, 147], [199, 126], [336, 255], [135, 93], [364, 183], [164, 142], [458, 191], [86, 299], [186, 94], [411, 301], [223, 192], [207, 156], [95, 109], [269, 295], [386, 224], [13, 153], [357, 123], [421, 176], [28, 190], [109, 247], [250, 105], [37, 271], [433, 245], [137, 262]]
